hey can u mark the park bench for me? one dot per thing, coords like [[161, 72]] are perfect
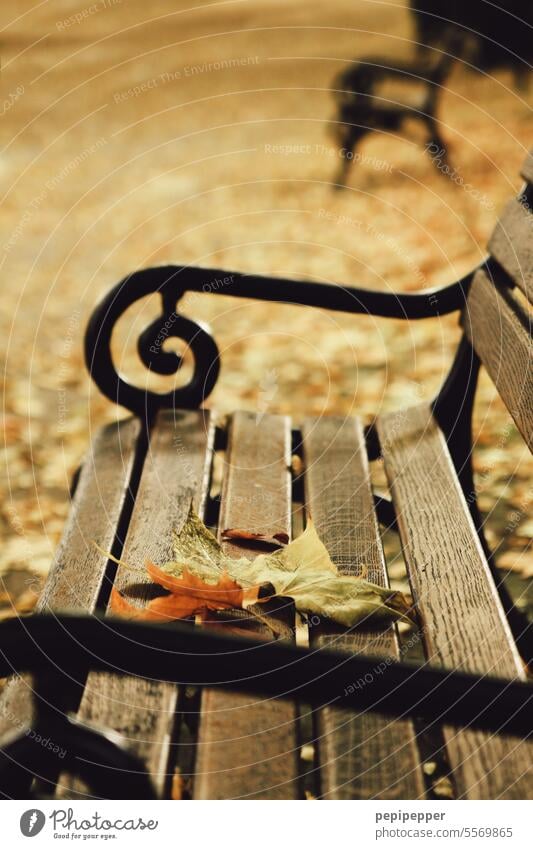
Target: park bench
[[373, 95], [489, 37], [101, 706]]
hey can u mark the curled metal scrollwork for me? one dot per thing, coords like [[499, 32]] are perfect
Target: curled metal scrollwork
[[171, 282]]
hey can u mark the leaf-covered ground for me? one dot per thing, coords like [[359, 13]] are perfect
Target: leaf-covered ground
[[143, 134]]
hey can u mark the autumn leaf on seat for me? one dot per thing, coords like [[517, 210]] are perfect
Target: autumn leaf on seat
[[202, 578], [162, 609], [239, 535], [189, 595]]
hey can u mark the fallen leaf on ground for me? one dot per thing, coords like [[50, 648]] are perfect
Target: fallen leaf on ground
[[203, 578], [443, 788], [516, 561]]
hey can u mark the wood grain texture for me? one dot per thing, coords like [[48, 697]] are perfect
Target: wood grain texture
[[511, 245], [175, 472], [361, 756], [463, 622], [498, 329], [248, 747], [75, 578]]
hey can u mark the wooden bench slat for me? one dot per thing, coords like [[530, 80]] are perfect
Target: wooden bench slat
[[511, 244], [361, 756], [176, 471], [247, 746], [503, 344], [76, 574], [463, 622]]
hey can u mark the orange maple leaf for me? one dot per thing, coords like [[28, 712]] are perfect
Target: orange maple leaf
[[189, 595]]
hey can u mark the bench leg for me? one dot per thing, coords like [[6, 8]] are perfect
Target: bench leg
[[347, 155], [436, 146]]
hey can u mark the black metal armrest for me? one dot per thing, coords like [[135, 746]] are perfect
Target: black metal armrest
[[76, 644], [171, 282]]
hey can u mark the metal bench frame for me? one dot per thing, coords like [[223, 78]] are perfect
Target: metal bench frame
[[362, 110], [51, 647]]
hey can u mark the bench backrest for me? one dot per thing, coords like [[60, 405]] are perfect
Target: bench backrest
[[498, 314]]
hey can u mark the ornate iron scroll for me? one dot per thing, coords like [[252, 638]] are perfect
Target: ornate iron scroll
[[171, 282]]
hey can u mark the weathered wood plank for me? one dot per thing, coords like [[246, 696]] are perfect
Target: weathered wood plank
[[248, 747], [463, 622], [77, 572], [511, 244], [361, 756], [175, 471], [498, 331]]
